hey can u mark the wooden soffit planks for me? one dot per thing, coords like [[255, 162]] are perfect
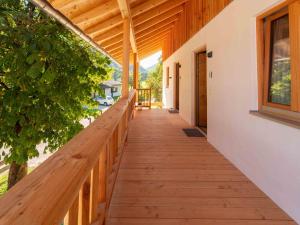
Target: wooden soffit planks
[[102, 20]]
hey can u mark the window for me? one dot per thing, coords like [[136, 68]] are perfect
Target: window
[[279, 57], [278, 60], [167, 77]]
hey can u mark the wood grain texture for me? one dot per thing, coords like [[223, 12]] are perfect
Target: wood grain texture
[[197, 13], [102, 20], [46, 195], [166, 178]]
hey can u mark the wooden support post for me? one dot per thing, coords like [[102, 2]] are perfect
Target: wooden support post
[[126, 56], [135, 71]]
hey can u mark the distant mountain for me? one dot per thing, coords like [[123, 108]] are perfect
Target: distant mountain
[[151, 68], [143, 70], [118, 71]]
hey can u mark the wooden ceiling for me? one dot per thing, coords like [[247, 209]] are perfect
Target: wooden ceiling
[[155, 24]]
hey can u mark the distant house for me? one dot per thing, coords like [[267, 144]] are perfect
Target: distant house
[[111, 88]]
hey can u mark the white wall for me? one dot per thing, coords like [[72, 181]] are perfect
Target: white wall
[[266, 151], [107, 92]]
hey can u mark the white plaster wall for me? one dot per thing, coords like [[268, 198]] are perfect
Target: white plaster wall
[[107, 92], [266, 151]]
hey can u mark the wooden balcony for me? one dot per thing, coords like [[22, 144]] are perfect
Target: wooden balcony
[[164, 178], [167, 178]]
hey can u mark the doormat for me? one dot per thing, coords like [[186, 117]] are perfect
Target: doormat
[[192, 132], [173, 111]]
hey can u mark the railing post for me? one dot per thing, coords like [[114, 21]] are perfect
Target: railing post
[[126, 56], [150, 98], [135, 71], [84, 202]]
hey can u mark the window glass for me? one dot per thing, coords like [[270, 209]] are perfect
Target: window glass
[[280, 66]]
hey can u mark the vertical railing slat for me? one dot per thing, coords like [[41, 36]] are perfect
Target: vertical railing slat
[[84, 202], [72, 215], [94, 193]]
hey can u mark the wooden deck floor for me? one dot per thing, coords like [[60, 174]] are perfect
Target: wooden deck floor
[[166, 178]]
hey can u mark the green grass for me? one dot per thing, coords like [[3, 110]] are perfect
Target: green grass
[[3, 181]]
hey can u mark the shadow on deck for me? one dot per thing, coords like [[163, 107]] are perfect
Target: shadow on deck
[[166, 178]]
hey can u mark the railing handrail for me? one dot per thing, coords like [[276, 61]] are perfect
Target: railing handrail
[[144, 97], [45, 195]]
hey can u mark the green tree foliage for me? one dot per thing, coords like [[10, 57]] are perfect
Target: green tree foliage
[[154, 81], [47, 77], [281, 82]]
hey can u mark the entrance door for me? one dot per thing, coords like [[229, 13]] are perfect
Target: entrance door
[[177, 77], [201, 91]]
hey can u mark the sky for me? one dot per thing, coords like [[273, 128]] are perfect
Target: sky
[[151, 60]]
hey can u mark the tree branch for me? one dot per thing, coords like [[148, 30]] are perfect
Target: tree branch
[[4, 85]]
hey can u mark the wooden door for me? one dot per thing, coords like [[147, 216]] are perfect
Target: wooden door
[[201, 90], [177, 78]]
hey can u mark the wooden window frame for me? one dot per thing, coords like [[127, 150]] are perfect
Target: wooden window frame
[[292, 9], [167, 77]]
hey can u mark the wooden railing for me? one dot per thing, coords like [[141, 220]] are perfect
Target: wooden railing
[[74, 186], [144, 98]]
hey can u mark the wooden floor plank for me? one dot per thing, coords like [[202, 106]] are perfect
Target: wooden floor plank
[[167, 178], [147, 221], [187, 189]]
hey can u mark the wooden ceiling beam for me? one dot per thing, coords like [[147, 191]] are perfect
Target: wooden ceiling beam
[[109, 34], [126, 13], [96, 13], [155, 28], [114, 46], [117, 50], [104, 26], [154, 32], [150, 14], [152, 48], [151, 45], [150, 42], [145, 6], [74, 8], [147, 52], [116, 20], [60, 3], [166, 17], [151, 38], [150, 52], [118, 56], [112, 41]]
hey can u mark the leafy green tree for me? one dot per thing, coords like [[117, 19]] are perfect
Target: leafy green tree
[[154, 81], [47, 78], [281, 82]]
